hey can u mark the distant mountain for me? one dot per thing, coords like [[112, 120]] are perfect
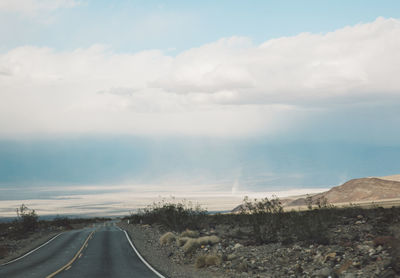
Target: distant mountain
[[356, 190], [391, 178]]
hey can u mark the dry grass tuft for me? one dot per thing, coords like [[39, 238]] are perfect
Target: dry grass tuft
[[182, 240], [190, 233], [200, 262], [190, 245], [207, 260], [167, 238], [213, 260], [208, 240]]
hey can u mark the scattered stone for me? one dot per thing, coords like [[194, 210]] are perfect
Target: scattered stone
[[242, 267], [330, 256], [354, 249], [237, 246]]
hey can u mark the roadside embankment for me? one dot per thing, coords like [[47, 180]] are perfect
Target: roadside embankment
[[169, 260]]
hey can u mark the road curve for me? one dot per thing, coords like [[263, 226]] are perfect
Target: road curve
[[96, 252]]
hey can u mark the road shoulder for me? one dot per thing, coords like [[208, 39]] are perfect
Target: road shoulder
[[18, 247], [146, 241]]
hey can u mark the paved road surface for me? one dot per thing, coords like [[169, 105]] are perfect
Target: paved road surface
[[104, 252]]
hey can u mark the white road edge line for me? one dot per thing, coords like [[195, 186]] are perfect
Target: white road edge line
[[140, 256], [30, 252]]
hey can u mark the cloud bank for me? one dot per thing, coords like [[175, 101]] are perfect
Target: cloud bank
[[33, 7], [230, 87]]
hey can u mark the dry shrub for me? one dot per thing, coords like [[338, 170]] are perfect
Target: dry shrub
[[208, 240], [182, 240], [190, 233], [200, 262], [190, 245], [167, 238], [212, 260], [207, 260], [172, 215]]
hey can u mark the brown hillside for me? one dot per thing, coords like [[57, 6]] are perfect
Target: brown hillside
[[356, 190]]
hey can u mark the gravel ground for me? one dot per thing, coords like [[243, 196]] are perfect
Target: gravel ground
[[354, 251], [146, 241]]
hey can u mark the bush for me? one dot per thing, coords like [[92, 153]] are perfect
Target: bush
[[172, 216], [190, 233], [271, 224], [27, 219], [200, 261], [207, 260], [309, 226], [167, 238], [62, 222], [190, 245], [211, 240], [182, 240], [265, 218]]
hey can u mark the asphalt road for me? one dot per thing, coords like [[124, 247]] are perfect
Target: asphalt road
[[98, 252]]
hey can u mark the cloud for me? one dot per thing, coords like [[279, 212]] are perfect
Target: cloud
[[228, 87], [33, 7], [352, 61]]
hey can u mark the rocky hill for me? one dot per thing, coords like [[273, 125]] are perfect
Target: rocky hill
[[357, 190]]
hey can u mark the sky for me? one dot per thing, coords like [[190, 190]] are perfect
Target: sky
[[182, 96]]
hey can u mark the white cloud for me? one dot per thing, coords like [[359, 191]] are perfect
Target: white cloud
[[229, 87], [33, 7]]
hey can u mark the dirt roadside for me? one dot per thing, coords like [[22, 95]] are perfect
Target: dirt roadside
[[16, 248]]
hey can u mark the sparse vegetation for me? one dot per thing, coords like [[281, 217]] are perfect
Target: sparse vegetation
[[27, 222], [191, 245], [260, 237], [268, 221], [175, 216], [190, 233], [265, 216], [207, 260], [27, 219], [64, 222], [27, 228], [182, 240], [211, 240], [264, 239], [167, 238]]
